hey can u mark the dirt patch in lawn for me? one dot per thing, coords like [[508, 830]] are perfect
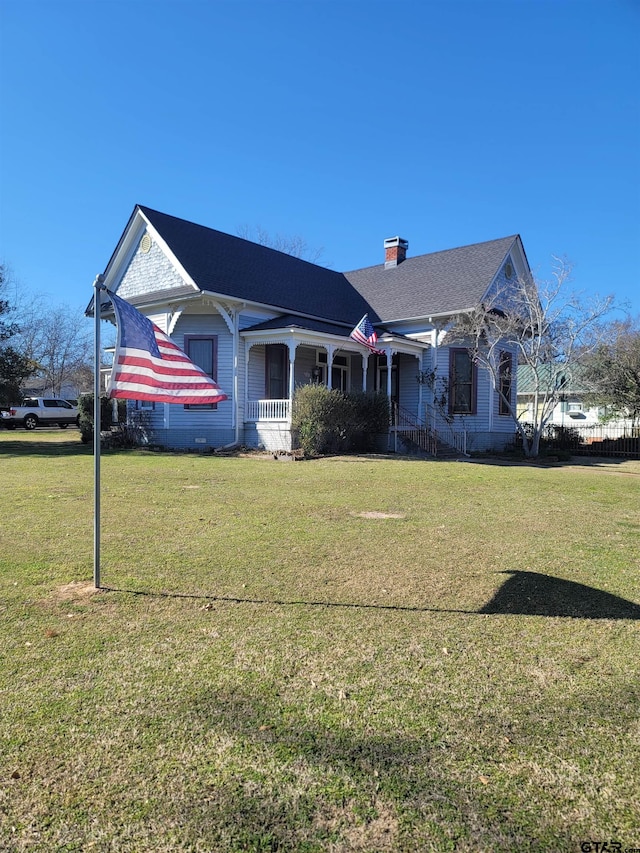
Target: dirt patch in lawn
[[74, 591], [379, 514]]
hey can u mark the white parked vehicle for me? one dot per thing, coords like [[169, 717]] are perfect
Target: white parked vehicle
[[41, 411]]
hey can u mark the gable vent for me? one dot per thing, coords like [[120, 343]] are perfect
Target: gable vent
[[145, 243]]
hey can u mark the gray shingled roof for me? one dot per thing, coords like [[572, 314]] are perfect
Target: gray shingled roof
[[229, 265], [428, 285], [288, 321], [434, 284]]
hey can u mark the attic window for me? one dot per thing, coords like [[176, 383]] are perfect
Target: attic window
[[508, 271], [145, 244]]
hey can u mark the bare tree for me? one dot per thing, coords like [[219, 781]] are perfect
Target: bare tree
[[544, 327], [294, 245], [15, 365], [59, 341], [613, 370]]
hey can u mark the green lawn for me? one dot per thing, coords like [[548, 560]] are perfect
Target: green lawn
[[348, 654]]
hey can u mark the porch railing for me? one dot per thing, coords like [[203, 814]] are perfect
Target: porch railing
[[268, 410]]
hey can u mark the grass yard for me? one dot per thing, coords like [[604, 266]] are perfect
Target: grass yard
[[349, 654]]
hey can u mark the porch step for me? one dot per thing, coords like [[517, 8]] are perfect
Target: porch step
[[444, 452]]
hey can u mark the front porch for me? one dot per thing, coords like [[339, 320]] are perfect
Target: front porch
[[278, 362]]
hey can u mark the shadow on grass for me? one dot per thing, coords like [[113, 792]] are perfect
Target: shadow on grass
[[523, 594], [30, 446], [533, 594]]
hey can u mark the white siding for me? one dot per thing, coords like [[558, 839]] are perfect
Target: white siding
[[409, 390], [504, 424], [486, 429], [203, 429], [257, 367], [210, 324], [251, 319]]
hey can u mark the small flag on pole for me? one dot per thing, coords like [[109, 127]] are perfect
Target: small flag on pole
[[147, 365], [365, 334]]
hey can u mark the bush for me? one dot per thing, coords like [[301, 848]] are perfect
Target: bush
[[134, 433], [328, 421], [563, 438], [85, 415], [370, 414], [316, 418]]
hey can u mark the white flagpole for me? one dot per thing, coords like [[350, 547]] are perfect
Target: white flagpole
[[97, 426]]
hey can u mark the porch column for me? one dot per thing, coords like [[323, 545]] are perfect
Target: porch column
[[292, 376], [434, 367], [247, 350], [330, 351], [419, 359], [389, 355], [235, 411], [365, 367]]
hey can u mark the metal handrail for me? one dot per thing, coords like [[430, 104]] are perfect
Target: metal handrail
[[414, 430], [453, 437]]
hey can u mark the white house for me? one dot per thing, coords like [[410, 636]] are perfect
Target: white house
[[572, 409], [262, 322]]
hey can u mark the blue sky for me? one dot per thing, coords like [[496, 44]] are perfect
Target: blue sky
[[342, 121]]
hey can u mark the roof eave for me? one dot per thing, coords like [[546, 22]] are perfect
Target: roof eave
[[268, 306], [429, 318]]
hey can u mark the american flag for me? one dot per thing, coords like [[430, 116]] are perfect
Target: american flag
[[364, 333], [147, 365]]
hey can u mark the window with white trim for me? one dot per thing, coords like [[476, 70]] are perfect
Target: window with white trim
[[203, 351], [463, 380]]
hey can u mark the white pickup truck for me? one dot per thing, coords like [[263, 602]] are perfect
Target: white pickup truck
[[41, 411]]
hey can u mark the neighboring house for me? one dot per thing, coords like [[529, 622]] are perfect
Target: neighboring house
[[571, 409], [68, 391], [262, 322]]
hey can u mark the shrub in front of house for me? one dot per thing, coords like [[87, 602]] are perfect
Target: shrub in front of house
[[328, 421], [85, 415], [317, 418], [369, 419]]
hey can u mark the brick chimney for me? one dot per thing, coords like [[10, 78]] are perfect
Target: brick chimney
[[395, 251]]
